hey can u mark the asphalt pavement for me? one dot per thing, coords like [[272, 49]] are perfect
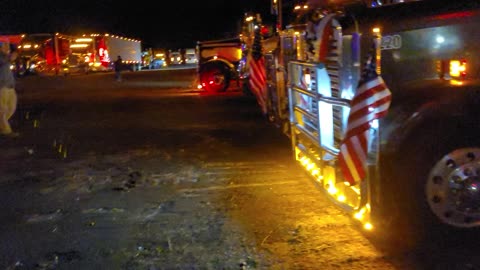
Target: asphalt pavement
[[152, 173]]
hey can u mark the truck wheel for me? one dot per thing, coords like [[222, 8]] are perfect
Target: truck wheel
[[215, 79], [438, 181]]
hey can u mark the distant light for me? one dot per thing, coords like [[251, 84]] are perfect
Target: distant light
[[83, 40], [440, 39], [79, 45]]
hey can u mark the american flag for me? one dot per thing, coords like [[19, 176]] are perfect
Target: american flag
[[370, 102], [258, 81], [258, 74]]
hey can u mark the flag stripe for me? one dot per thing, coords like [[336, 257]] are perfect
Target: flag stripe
[[367, 85], [369, 97], [356, 147], [347, 167], [355, 155], [368, 114]]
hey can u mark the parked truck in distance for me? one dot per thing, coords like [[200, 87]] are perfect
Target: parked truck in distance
[[175, 57], [154, 58], [97, 52], [190, 56], [39, 52], [218, 62]]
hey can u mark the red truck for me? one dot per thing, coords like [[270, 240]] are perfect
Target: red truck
[[40, 52]]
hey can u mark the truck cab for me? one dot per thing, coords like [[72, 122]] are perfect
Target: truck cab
[[421, 164], [175, 57], [191, 56]]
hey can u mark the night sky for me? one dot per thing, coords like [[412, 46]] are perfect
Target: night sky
[[161, 23]]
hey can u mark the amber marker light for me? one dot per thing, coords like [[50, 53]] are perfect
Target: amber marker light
[[458, 68], [368, 226]]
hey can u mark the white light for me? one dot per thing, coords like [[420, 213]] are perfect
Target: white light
[[78, 45], [374, 124], [440, 39], [83, 40]]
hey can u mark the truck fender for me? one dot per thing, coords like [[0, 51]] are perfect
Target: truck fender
[[218, 61], [446, 106]]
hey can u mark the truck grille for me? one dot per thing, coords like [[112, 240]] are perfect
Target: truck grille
[[333, 71]]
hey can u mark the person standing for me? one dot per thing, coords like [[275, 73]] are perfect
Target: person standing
[[8, 96], [118, 68]]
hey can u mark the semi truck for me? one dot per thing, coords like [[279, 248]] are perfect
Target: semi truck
[[175, 57], [40, 52], [218, 63], [191, 56], [389, 92], [154, 58], [97, 52]]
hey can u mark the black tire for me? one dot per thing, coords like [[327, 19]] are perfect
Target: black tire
[[421, 175], [215, 78]]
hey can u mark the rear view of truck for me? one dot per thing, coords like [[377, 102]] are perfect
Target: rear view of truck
[[129, 49], [98, 52], [218, 62]]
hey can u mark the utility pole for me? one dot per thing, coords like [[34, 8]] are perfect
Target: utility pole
[[276, 9], [279, 15], [57, 54]]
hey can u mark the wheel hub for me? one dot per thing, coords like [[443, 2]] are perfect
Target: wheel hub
[[218, 79], [453, 188], [469, 195]]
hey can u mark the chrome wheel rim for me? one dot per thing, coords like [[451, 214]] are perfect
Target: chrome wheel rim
[[453, 188]]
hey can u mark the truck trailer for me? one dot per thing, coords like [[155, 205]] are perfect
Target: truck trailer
[[98, 52], [380, 101]]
